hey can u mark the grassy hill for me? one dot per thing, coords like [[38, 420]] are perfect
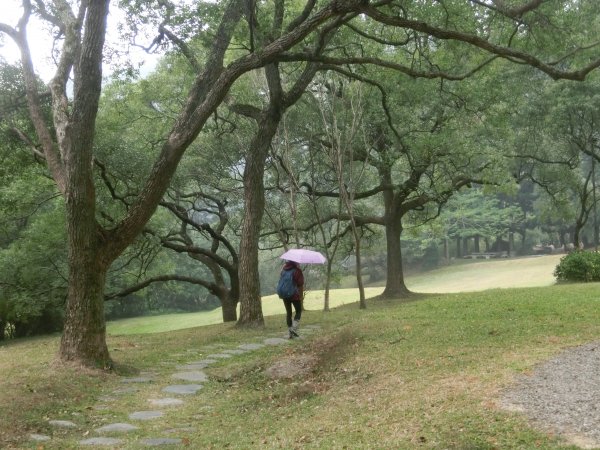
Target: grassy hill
[[465, 276], [399, 375]]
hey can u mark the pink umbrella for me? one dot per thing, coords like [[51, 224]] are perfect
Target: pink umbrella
[[303, 256]]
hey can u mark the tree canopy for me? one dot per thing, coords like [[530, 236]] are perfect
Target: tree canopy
[[379, 43]]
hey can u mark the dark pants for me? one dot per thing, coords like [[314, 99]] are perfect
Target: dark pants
[[288, 310]]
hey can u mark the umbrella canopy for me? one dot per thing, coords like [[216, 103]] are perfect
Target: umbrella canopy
[[303, 256]]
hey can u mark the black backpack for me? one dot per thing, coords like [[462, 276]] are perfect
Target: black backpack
[[286, 288]]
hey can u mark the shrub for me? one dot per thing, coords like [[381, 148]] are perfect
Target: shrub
[[579, 266]]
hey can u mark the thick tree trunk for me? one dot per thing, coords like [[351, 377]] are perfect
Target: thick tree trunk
[[229, 309], [84, 335], [254, 205], [394, 286], [249, 277]]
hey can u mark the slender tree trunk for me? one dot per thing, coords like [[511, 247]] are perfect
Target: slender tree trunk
[[476, 243], [458, 247], [327, 286], [362, 303], [446, 250], [576, 234]]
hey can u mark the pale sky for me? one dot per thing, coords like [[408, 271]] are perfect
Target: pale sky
[[40, 41]]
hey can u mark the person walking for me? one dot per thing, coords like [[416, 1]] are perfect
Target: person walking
[[291, 290]]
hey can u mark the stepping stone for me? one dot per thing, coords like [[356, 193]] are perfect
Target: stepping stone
[[250, 347], [165, 401], [192, 366], [276, 341], [235, 351], [62, 423], [145, 415], [116, 428], [101, 441], [202, 364], [39, 437], [220, 355], [137, 380], [155, 442], [183, 389], [190, 376]]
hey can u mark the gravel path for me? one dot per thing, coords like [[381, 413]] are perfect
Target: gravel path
[[563, 395]]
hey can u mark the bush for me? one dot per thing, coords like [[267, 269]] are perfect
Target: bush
[[579, 266]]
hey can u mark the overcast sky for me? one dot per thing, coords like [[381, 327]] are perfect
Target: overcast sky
[[40, 41]]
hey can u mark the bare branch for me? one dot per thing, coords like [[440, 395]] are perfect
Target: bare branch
[[212, 287]]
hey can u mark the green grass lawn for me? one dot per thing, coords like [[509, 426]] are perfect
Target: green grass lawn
[[480, 275], [399, 375], [467, 276]]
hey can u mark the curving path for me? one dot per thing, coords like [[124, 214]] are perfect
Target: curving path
[[187, 382]]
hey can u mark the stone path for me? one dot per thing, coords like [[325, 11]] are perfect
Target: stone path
[[187, 381]]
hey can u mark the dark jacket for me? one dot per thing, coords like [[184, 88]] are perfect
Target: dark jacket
[[298, 278]]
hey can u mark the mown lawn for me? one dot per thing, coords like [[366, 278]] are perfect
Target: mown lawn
[[399, 375], [464, 276]]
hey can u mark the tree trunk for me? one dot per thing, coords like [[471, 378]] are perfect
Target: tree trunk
[[458, 247], [576, 234], [327, 286], [84, 335], [394, 286], [362, 304], [254, 206], [476, 244], [249, 277], [229, 309], [446, 250]]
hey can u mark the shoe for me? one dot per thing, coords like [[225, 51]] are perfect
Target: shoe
[[292, 333], [295, 325]]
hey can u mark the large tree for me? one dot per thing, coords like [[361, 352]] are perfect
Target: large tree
[[68, 144]]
